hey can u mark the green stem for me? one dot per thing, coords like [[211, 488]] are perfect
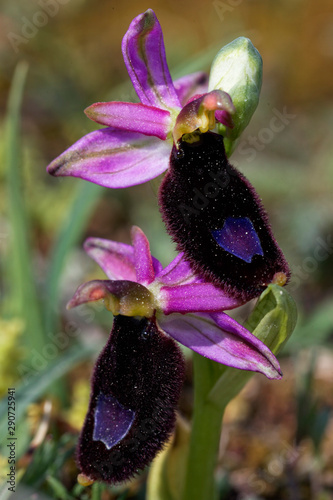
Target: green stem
[[96, 491], [205, 436], [203, 452], [214, 387]]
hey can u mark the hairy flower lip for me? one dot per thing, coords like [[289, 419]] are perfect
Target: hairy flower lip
[[136, 384], [186, 307]]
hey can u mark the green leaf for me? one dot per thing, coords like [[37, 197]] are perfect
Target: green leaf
[[167, 473], [70, 233], [49, 459], [58, 489], [39, 382], [274, 318], [319, 428], [312, 419], [97, 491], [22, 301]]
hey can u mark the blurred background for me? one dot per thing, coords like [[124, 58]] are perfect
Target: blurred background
[[278, 436]]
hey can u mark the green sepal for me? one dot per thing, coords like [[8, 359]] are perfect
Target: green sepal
[[237, 70]]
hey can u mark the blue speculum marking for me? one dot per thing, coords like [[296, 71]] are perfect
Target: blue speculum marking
[[112, 420], [239, 238]]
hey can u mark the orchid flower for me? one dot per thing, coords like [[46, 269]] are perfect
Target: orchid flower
[[228, 253], [210, 209], [185, 307], [136, 145], [138, 376]]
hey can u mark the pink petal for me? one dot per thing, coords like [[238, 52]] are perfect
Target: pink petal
[[116, 259], [146, 120], [143, 260], [177, 272], [189, 85], [156, 265], [144, 56], [222, 339], [113, 158], [196, 297], [224, 117], [230, 325]]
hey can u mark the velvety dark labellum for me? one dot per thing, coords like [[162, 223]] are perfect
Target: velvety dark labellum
[[135, 389], [217, 219]]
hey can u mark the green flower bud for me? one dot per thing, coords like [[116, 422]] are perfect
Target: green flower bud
[[237, 70], [274, 318]]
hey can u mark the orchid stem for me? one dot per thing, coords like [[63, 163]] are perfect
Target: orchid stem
[[272, 321], [206, 430], [215, 386]]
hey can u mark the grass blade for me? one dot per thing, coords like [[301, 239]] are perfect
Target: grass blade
[[22, 300], [70, 233], [39, 382]]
